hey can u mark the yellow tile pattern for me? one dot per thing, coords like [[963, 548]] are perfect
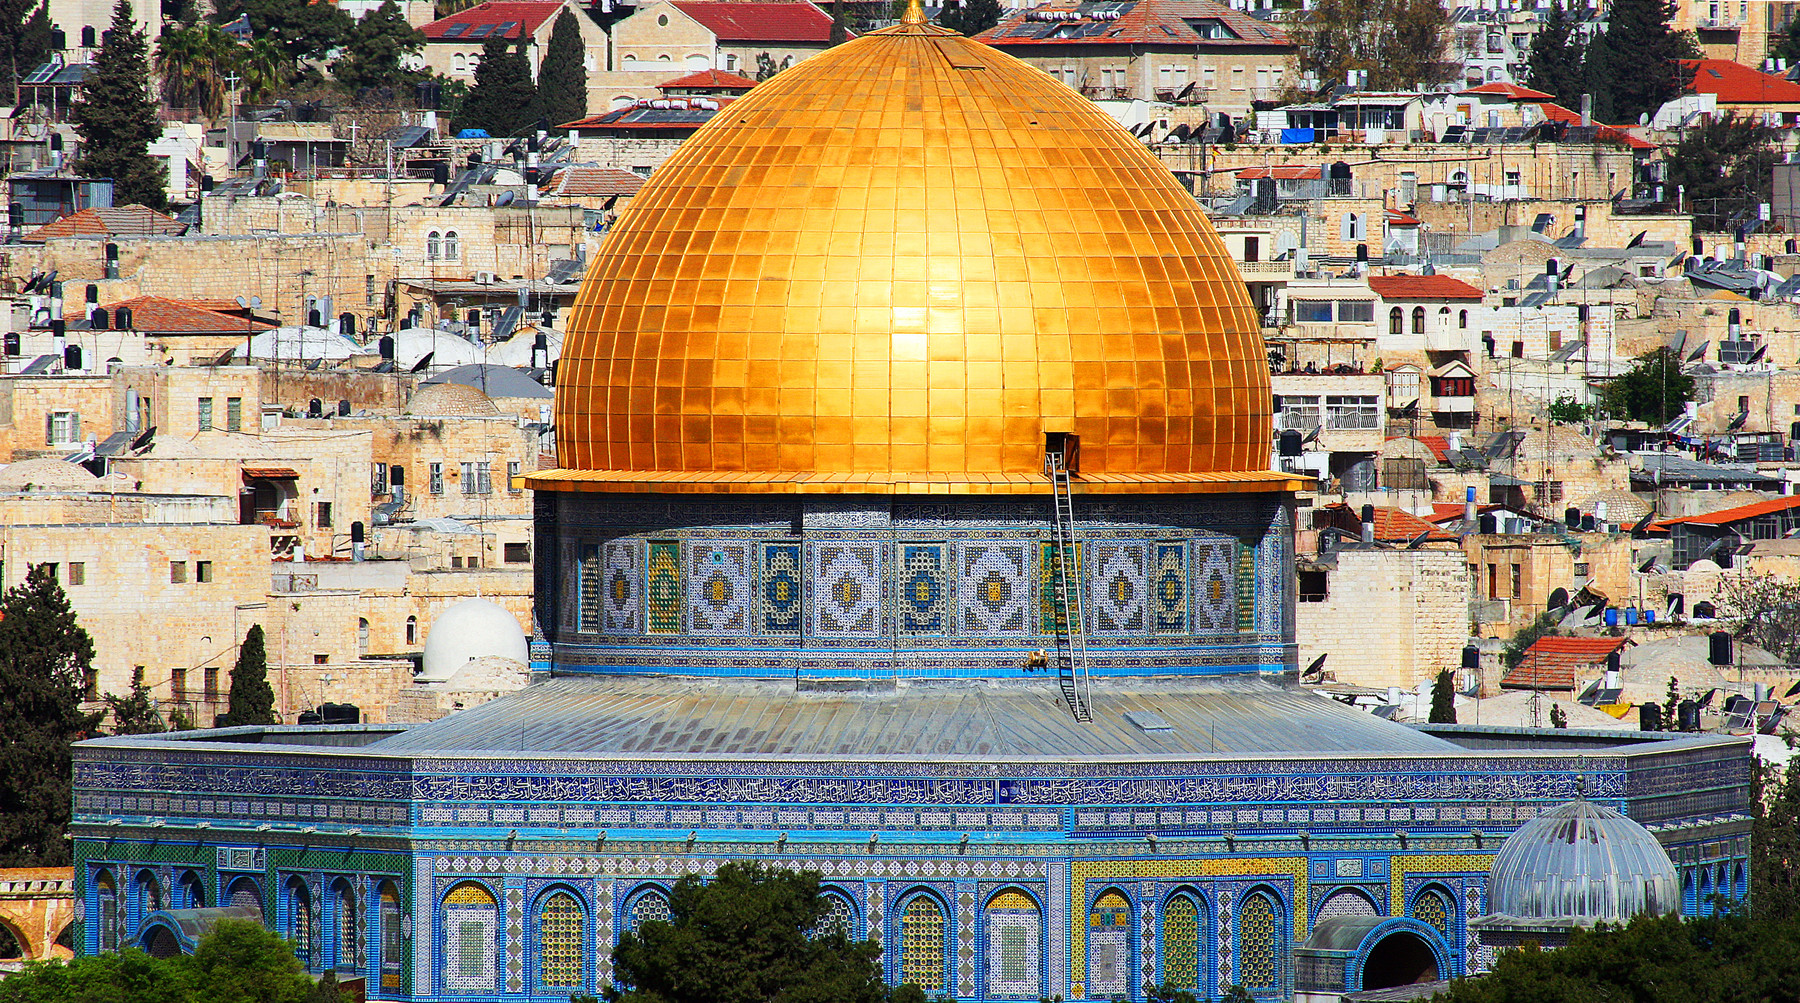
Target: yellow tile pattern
[[1086, 875], [904, 260], [1401, 865]]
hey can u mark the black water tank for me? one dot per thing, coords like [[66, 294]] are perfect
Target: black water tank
[[397, 475], [72, 357], [100, 320], [1719, 647], [339, 713], [1290, 442], [1572, 517], [1368, 513], [1488, 523], [122, 319], [386, 347], [357, 533], [315, 408], [1687, 715], [440, 173], [1587, 524], [1471, 658], [1649, 717], [343, 409]]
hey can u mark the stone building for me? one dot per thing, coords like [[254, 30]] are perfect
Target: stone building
[[963, 585], [453, 44]]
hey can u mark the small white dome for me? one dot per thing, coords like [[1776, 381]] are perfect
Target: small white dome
[[471, 629]]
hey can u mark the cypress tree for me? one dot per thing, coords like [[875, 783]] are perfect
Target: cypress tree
[[972, 17], [252, 701], [503, 99], [1554, 63], [136, 713], [1443, 699], [116, 116], [1632, 69], [45, 659], [24, 43], [562, 78]]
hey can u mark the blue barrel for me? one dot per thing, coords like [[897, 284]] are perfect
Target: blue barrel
[[1612, 616], [1650, 616], [1631, 616]]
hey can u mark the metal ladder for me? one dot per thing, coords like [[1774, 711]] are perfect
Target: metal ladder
[[1071, 641]]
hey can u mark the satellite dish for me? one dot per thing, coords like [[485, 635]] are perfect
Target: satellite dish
[[253, 303]]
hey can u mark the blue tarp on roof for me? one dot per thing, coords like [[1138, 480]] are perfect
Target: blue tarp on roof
[[1297, 135]]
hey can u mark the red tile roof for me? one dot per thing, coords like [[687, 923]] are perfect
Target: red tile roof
[[745, 21], [157, 315], [1512, 91], [121, 221], [501, 17], [1422, 287], [1397, 218], [1609, 133], [1290, 173], [1730, 515], [717, 80], [586, 179], [1145, 22], [1439, 446], [1392, 525], [1560, 663], [1735, 83]]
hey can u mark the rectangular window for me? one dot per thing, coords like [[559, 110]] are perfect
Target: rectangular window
[[378, 479], [203, 571], [368, 290], [1352, 412], [1581, 569], [212, 683], [50, 569], [517, 553], [512, 477], [1548, 492], [1356, 311], [77, 573], [177, 572], [204, 422], [437, 478], [319, 658], [1555, 341], [178, 683], [62, 428], [475, 478], [1237, 78], [234, 414], [1314, 586], [1312, 311], [322, 515], [1493, 589], [1518, 581]]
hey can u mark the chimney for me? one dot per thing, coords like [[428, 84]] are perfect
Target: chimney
[[1368, 524]]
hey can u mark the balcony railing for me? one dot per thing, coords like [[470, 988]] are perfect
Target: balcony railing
[[1359, 418]]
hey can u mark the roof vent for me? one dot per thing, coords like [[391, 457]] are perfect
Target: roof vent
[[1148, 721]]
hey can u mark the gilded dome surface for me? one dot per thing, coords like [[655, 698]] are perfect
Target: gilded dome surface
[[901, 262]]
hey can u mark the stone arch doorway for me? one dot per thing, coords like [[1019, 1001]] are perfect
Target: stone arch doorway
[[160, 942], [1402, 958]]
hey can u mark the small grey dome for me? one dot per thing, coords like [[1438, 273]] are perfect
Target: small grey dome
[[1582, 863], [471, 629]]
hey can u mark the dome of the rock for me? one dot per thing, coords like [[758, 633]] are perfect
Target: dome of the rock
[[904, 261]]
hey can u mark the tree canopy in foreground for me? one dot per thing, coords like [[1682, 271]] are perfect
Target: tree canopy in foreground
[[237, 961]]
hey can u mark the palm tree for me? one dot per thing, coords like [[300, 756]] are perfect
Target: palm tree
[[193, 62], [266, 68]]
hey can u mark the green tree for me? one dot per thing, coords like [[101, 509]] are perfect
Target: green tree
[[1766, 611], [303, 29], [972, 17], [375, 51], [503, 98], [1565, 410], [1652, 391], [1558, 50], [136, 713], [562, 77], [237, 960], [45, 661], [1545, 624], [1443, 699], [1775, 844], [117, 118], [1633, 67], [767, 67], [24, 42], [1786, 44], [1725, 165], [1166, 993], [1400, 43], [193, 61], [749, 935], [1671, 712], [251, 699]]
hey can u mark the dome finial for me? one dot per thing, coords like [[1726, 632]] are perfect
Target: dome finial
[[915, 13]]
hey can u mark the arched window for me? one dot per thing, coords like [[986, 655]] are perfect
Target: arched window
[[106, 902], [560, 923], [362, 635], [1739, 888], [1418, 320], [388, 930], [1443, 317], [1687, 892], [1462, 320], [698, 62], [299, 920], [1013, 938], [149, 893], [1432, 907], [245, 893], [87, 36], [1259, 942], [1702, 906], [839, 918], [190, 891], [1181, 929], [459, 63], [412, 630], [1109, 946], [431, 246], [651, 906], [470, 928], [922, 944], [452, 250], [1396, 321], [344, 903]]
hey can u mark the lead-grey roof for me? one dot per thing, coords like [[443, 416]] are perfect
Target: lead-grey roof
[[637, 716]]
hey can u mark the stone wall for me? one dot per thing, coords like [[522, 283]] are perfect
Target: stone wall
[[1419, 597]]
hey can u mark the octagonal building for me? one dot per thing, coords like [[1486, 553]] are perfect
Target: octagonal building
[[912, 524]]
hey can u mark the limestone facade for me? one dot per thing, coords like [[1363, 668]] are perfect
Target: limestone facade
[[37, 907], [1420, 599], [53, 415]]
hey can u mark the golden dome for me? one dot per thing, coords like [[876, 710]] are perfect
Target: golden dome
[[896, 266]]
